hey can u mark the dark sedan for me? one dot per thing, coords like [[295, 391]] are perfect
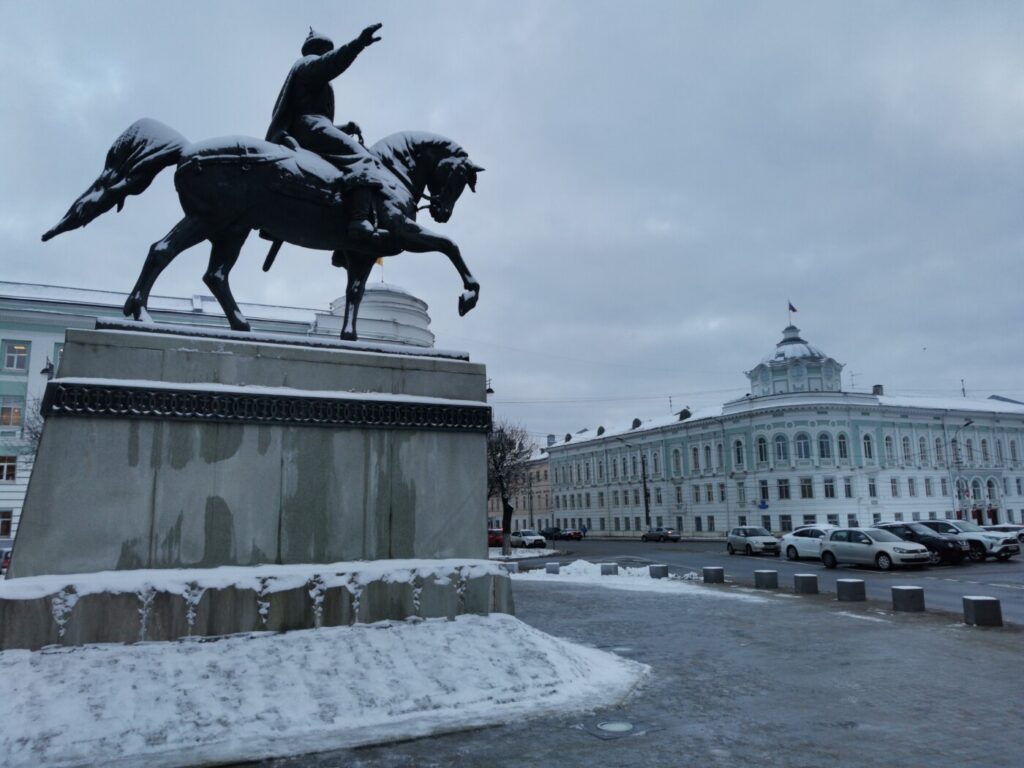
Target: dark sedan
[[941, 548]]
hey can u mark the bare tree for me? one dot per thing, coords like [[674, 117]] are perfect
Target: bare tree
[[508, 450], [32, 424]]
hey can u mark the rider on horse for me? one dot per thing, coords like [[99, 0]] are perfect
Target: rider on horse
[[304, 116]]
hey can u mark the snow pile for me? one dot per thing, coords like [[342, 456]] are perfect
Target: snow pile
[[266, 695], [630, 579], [519, 553]]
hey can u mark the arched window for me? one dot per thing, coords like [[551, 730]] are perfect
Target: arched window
[[677, 462], [970, 450], [976, 490], [655, 463], [721, 455], [890, 451], [844, 448], [615, 469], [696, 458], [781, 448], [869, 448], [600, 469], [961, 488], [762, 450], [586, 469], [634, 465], [803, 446], [824, 446], [737, 452], [624, 468], [999, 451], [954, 445], [707, 457], [990, 489], [984, 450], [1013, 450], [940, 451], [922, 450], [908, 455]]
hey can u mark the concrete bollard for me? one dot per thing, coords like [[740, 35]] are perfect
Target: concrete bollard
[[850, 590], [511, 567], [659, 571], [552, 567], [609, 569], [982, 611], [910, 599], [805, 583], [766, 579], [714, 574]]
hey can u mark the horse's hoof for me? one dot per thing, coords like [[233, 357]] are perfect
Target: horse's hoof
[[133, 308], [349, 336], [467, 301]]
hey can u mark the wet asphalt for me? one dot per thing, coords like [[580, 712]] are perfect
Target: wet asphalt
[[786, 681]]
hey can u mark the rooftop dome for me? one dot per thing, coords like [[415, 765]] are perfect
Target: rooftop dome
[[387, 313], [795, 366]]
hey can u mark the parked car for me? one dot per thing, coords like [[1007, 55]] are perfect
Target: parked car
[[942, 547], [527, 538], [805, 541], [571, 534], [5, 561], [1016, 530], [495, 537], [870, 546], [751, 540], [551, 534], [659, 534], [983, 543]]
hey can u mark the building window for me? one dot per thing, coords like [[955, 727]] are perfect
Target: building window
[[894, 486], [990, 489], [572, 501], [721, 492], [810, 520], [615, 498], [783, 488], [872, 488], [766, 522], [625, 523], [615, 469], [999, 451], [679, 495], [833, 520], [737, 451], [657, 497], [625, 498], [742, 519], [16, 356], [806, 488], [933, 516], [741, 493], [616, 523], [844, 447], [898, 517], [6, 522], [1013, 450], [586, 471], [762, 488], [655, 463], [944, 486], [600, 523], [908, 454], [697, 525], [636, 497], [709, 493], [711, 522], [624, 469], [696, 494], [762, 450], [824, 446], [11, 409], [588, 501], [915, 516], [890, 450], [830, 487], [696, 459], [781, 448], [876, 518], [928, 490], [677, 462], [558, 501], [940, 451], [636, 523], [848, 487], [633, 463], [679, 524], [707, 457], [911, 486], [970, 450], [785, 523], [922, 450], [8, 469], [803, 446], [600, 499], [659, 521], [851, 520], [720, 452], [869, 449], [1018, 486]]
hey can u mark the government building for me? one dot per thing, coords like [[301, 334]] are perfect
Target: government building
[[33, 319], [796, 450]]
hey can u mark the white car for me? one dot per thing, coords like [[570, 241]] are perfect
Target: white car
[[751, 540], [870, 546], [805, 541], [1016, 530], [983, 543], [527, 538]]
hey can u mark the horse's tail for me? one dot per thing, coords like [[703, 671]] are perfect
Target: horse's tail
[[134, 160]]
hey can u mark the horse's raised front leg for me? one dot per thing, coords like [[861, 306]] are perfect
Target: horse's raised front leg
[[186, 233], [223, 255], [359, 266], [411, 236]]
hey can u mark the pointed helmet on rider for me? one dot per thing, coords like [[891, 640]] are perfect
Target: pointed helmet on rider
[[316, 44]]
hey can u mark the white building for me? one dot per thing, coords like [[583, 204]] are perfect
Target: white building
[[796, 450], [33, 319], [532, 504]]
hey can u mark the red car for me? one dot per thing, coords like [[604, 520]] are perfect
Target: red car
[[571, 534], [494, 537]]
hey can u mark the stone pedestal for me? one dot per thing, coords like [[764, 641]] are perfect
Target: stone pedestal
[[766, 579], [982, 611], [609, 569], [714, 574], [805, 583], [174, 448], [850, 590], [910, 599], [658, 571]]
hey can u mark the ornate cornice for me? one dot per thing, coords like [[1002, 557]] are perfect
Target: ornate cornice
[[196, 404]]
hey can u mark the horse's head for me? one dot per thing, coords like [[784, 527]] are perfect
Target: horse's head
[[451, 176]]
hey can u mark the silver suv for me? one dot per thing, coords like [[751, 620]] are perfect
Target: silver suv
[[1001, 546]]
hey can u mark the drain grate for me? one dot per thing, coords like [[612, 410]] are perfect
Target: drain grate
[[615, 728]]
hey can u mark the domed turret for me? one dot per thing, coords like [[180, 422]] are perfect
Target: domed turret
[[387, 313], [795, 366]]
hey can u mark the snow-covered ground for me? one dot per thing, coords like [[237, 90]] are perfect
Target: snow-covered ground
[[519, 553], [633, 580], [262, 695]]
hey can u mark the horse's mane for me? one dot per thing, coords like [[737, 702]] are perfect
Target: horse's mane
[[404, 145]]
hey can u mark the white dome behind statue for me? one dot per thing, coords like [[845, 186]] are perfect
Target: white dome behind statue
[[387, 313], [795, 366]]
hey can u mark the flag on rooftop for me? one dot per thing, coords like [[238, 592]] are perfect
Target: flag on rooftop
[[791, 307]]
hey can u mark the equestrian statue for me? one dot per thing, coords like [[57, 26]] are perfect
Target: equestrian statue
[[310, 183]]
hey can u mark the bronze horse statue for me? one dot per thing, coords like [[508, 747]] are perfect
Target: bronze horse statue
[[230, 186]]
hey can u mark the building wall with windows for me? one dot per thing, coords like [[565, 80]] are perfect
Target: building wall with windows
[[788, 458], [34, 318], [532, 505]]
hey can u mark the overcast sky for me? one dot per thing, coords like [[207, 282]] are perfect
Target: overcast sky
[[662, 177]]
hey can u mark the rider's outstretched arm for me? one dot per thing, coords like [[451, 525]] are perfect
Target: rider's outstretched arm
[[322, 69]]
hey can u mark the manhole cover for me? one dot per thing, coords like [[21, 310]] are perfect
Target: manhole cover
[[615, 726]]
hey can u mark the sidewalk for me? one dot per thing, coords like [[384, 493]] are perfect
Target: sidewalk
[[773, 680]]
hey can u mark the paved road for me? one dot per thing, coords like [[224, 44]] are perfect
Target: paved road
[[944, 585]]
